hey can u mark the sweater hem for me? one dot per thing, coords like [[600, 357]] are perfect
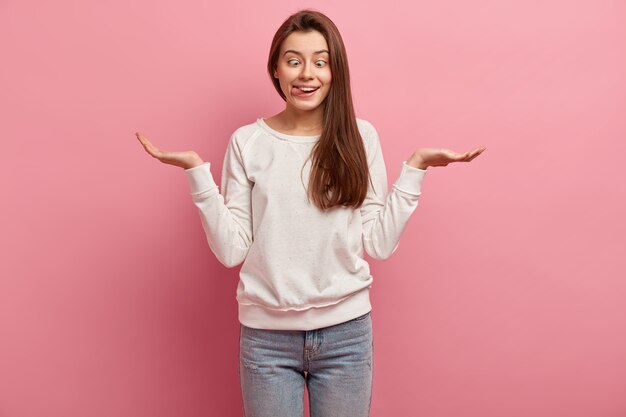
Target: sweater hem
[[257, 317]]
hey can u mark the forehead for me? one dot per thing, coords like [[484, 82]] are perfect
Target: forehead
[[304, 42]]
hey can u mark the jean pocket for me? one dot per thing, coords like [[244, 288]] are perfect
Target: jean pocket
[[249, 365]]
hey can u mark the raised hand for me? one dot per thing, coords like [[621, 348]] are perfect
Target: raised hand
[[186, 159], [433, 157]]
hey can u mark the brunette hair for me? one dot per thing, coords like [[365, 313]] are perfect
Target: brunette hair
[[339, 170]]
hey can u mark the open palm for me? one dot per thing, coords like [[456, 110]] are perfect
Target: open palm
[[185, 159], [425, 157]]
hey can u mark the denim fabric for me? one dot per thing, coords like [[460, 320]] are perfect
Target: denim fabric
[[335, 363]]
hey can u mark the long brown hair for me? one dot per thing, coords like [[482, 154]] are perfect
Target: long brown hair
[[339, 170]]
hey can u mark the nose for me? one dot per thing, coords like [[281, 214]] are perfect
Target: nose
[[306, 72]]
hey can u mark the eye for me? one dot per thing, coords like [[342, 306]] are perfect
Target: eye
[[292, 60], [321, 63]]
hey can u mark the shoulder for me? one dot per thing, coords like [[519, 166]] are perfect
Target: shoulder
[[244, 136], [365, 127], [246, 131], [368, 132], [370, 136]]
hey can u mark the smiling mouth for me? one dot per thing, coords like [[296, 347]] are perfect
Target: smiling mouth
[[306, 89], [303, 92]]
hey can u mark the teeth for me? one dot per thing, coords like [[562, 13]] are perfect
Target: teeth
[[307, 88]]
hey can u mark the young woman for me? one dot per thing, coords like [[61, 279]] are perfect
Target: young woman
[[303, 194]]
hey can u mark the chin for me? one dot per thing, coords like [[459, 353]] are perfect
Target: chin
[[306, 107], [310, 107]]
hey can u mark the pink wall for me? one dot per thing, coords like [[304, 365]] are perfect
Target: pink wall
[[505, 297]]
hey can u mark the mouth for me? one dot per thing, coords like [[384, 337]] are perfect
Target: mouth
[[303, 91], [307, 88]]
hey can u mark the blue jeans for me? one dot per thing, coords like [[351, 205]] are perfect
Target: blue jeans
[[335, 363]]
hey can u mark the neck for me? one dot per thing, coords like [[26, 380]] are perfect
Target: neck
[[303, 120]]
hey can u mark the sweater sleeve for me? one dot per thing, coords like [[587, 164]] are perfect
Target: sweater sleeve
[[385, 215], [226, 218]]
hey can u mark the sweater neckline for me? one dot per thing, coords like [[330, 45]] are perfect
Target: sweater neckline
[[284, 136]]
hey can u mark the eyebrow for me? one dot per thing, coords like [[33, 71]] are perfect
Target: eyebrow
[[298, 53]]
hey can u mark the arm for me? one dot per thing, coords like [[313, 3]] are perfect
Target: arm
[[384, 215], [226, 219]]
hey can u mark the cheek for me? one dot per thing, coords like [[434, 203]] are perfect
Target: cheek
[[329, 78], [283, 73], [284, 80]]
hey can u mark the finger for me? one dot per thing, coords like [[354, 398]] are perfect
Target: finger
[[141, 137], [463, 157], [150, 148], [474, 155], [144, 141], [453, 155], [473, 152], [472, 158]]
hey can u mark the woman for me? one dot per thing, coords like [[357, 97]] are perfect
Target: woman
[[303, 193]]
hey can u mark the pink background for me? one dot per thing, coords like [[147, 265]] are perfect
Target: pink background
[[506, 296]]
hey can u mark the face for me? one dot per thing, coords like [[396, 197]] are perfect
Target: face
[[303, 63]]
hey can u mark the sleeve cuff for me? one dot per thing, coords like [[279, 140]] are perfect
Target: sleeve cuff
[[410, 179], [200, 178]]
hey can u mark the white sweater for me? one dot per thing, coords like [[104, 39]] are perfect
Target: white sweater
[[302, 269]]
